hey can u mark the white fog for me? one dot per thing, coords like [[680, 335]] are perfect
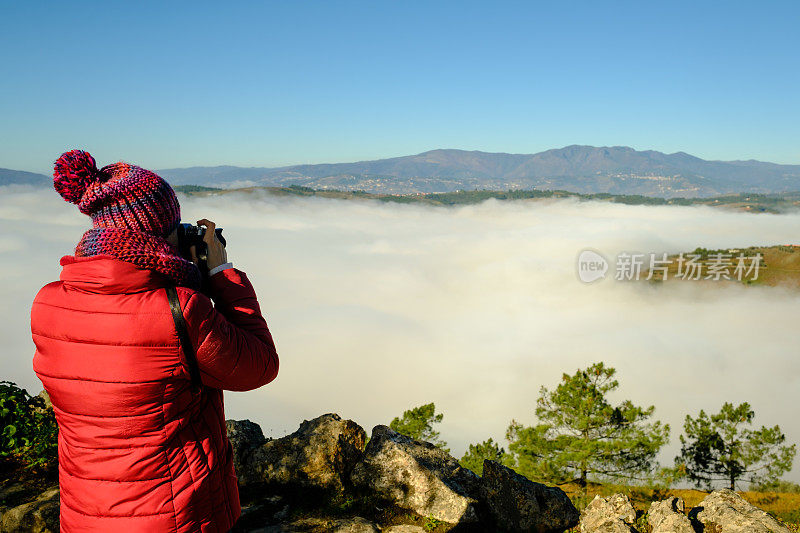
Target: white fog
[[376, 308]]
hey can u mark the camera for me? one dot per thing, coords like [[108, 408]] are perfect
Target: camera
[[190, 235]]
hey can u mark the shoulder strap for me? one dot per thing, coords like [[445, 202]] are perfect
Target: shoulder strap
[[183, 335]]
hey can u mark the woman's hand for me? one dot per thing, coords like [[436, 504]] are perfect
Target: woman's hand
[[216, 251]]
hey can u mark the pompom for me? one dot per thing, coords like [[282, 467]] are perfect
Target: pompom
[[74, 172]]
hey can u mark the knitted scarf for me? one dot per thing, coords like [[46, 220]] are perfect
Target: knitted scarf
[[145, 250]]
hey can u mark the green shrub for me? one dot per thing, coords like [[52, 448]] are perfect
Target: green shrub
[[28, 430], [431, 523]]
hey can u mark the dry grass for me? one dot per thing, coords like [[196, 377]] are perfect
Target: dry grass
[[784, 506], [782, 268]]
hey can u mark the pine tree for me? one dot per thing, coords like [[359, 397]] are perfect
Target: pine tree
[[721, 447], [488, 449], [418, 422], [580, 433]]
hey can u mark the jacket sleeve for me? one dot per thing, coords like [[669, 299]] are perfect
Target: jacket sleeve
[[235, 350]]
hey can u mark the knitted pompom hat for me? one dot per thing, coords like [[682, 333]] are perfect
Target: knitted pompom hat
[[119, 195]]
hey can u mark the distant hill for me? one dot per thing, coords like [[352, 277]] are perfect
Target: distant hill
[[747, 202], [779, 267], [583, 169], [8, 177], [616, 170]]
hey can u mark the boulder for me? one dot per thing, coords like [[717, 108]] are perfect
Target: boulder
[[245, 436], [404, 528], [518, 504], [38, 516], [417, 476], [614, 514], [724, 511], [668, 516], [319, 455]]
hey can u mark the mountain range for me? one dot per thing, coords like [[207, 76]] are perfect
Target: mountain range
[[9, 177], [584, 169]]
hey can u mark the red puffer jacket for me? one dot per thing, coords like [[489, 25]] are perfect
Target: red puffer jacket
[[138, 450]]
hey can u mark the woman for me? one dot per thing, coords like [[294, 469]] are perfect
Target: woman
[[139, 447]]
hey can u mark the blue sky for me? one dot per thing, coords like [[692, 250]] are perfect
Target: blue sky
[[169, 84]]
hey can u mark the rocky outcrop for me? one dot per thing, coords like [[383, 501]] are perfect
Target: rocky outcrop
[[668, 516], [417, 476], [518, 504], [319, 455], [724, 511], [322, 478], [422, 478], [614, 514], [38, 516]]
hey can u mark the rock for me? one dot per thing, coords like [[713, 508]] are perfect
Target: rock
[[42, 404], [282, 514], [724, 511], [405, 528], [38, 516], [353, 525], [614, 514], [322, 525], [46, 399], [265, 510], [417, 476], [319, 455], [518, 504], [244, 436], [667, 516], [14, 493]]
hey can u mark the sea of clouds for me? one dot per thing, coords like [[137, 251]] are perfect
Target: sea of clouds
[[376, 308]]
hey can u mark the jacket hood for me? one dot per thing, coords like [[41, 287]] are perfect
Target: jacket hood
[[106, 274]]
